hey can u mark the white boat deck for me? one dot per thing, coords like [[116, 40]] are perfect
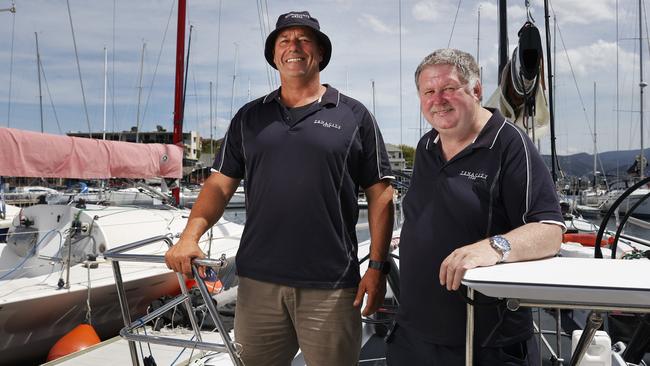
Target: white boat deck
[[115, 351]]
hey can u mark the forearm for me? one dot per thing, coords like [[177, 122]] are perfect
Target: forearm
[[380, 219], [534, 241], [209, 206]]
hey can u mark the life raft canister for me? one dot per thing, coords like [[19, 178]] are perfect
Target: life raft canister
[[79, 338]]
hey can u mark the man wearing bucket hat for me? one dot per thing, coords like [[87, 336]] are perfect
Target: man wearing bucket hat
[[304, 150]]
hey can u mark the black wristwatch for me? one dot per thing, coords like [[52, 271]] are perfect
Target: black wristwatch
[[383, 267]]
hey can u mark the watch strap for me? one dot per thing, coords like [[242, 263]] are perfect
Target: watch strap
[[383, 267]]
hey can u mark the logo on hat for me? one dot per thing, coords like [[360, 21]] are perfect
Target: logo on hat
[[297, 15]]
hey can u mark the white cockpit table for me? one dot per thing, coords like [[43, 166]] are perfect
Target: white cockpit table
[[575, 283]]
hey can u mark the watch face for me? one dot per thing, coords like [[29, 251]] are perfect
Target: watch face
[[502, 243]]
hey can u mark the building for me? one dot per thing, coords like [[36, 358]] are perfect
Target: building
[[191, 140], [396, 157]]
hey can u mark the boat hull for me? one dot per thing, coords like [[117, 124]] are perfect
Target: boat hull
[[29, 328]]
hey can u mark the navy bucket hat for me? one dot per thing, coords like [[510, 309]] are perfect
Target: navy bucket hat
[[293, 19]]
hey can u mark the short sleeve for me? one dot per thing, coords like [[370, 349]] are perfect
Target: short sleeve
[[374, 164], [230, 160], [528, 191]]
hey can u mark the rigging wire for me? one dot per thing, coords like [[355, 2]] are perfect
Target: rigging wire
[[453, 26], [401, 125], [141, 75], [47, 87], [575, 83], [187, 65], [155, 70], [274, 75], [216, 91], [645, 17], [11, 61], [83, 94], [632, 100], [263, 33], [196, 98], [573, 75], [113, 67], [618, 124]]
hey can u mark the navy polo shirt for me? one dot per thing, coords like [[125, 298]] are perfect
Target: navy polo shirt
[[496, 184], [302, 180]]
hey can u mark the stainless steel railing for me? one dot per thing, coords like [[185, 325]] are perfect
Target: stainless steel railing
[[120, 254]]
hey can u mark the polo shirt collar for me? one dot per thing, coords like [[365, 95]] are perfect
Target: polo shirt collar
[[330, 97], [488, 135]]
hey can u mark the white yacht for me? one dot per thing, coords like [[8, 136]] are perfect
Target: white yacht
[[53, 276]]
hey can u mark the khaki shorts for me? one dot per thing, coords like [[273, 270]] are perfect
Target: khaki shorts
[[272, 322]]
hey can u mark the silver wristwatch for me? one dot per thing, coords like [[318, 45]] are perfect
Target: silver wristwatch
[[501, 245]]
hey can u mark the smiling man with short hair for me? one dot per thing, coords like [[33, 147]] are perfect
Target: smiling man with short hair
[[480, 194], [304, 150]]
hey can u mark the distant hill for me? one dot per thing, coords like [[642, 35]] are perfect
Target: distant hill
[[582, 164]]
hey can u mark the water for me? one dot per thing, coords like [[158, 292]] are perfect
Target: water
[[629, 228], [239, 216]]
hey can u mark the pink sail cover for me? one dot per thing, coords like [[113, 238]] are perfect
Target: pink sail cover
[[33, 154]]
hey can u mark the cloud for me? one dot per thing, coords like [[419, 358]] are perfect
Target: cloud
[[583, 12], [430, 10], [597, 57], [489, 12], [378, 25]]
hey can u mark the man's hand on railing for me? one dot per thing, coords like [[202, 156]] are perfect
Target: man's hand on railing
[[179, 257]]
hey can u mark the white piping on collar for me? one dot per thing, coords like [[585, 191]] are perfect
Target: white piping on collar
[[498, 132]]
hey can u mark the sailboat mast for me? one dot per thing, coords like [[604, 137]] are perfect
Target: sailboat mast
[[503, 36], [178, 84], [478, 36], [38, 69], [551, 100], [372, 85], [137, 118], [211, 137], [105, 88], [478, 44], [234, 80], [595, 134], [642, 85]]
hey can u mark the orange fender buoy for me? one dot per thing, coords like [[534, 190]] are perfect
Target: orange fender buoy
[[79, 338], [586, 239], [214, 286]]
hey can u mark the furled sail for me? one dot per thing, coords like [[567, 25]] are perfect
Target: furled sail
[[33, 154], [520, 96]]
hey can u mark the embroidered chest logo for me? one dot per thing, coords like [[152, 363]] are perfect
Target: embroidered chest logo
[[473, 175], [327, 124]]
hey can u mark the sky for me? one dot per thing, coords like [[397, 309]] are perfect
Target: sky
[[373, 41]]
